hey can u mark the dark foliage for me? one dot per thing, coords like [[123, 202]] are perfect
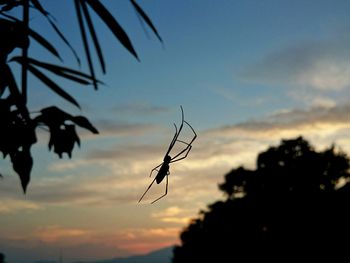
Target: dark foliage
[[18, 127], [292, 207]]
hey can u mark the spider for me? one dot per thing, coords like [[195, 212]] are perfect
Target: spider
[[163, 168]]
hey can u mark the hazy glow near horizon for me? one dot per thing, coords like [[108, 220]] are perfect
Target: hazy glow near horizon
[[247, 73]]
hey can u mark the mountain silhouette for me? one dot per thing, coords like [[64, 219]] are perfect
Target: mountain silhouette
[[159, 256], [163, 255]]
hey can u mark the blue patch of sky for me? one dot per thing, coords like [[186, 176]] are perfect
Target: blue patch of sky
[[206, 45]]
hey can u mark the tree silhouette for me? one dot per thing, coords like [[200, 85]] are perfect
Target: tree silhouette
[[293, 206], [2, 258], [18, 125]]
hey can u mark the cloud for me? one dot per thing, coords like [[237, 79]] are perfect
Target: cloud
[[144, 240], [30, 248], [230, 95], [83, 190], [322, 65], [218, 150], [119, 175], [8, 206], [297, 121], [109, 128], [116, 177], [80, 244], [132, 152], [54, 233], [173, 214], [139, 108]]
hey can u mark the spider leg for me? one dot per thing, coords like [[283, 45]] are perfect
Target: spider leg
[[147, 189], [173, 141], [155, 169], [166, 189], [177, 132], [187, 148], [182, 151], [195, 134], [186, 151]]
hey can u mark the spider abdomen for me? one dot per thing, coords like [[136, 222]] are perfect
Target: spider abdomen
[[163, 171]]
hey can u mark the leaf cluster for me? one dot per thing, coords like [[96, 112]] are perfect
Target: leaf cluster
[[19, 127]]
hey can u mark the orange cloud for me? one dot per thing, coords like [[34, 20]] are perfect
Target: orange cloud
[[173, 214], [12, 206], [56, 233], [145, 240]]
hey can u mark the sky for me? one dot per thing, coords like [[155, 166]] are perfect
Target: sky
[[247, 74]]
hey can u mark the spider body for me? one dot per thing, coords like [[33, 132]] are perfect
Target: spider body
[[163, 168]]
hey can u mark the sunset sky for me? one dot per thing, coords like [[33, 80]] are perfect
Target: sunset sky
[[247, 73]]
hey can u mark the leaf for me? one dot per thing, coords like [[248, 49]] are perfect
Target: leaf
[[52, 85], [22, 163], [113, 25], [4, 2], [70, 77], [52, 68], [55, 117], [9, 79], [37, 37], [24, 70], [64, 40], [63, 140], [9, 5], [85, 42], [46, 44], [55, 68], [93, 36], [39, 7], [146, 19], [14, 35], [84, 123], [52, 116]]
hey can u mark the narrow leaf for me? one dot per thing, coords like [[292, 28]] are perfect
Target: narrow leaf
[[52, 85], [24, 72], [85, 41], [46, 44], [93, 36], [59, 70], [60, 73], [84, 123], [10, 5], [70, 77], [39, 7], [146, 19], [9, 16], [64, 40], [113, 25]]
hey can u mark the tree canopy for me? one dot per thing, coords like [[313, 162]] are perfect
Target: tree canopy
[[293, 206]]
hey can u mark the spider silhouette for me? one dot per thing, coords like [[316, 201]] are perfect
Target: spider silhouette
[[163, 168]]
